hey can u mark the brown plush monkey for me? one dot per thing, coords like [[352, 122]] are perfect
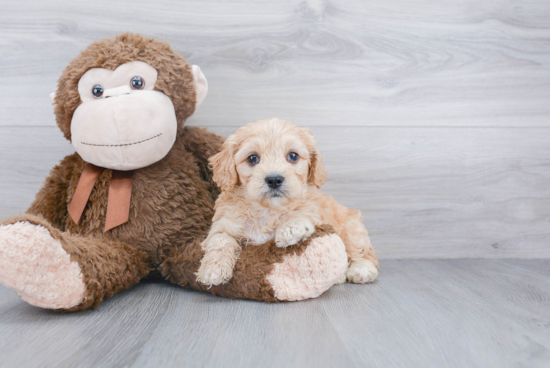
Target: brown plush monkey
[[137, 197]]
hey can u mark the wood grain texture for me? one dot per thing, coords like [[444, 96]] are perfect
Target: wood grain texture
[[433, 119], [322, 63], [420, 313], [424, 192]]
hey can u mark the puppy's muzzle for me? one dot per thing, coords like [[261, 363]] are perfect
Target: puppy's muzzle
[[274, 181]]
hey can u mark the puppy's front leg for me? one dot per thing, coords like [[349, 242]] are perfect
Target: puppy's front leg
[[293, 231], [217, 264]]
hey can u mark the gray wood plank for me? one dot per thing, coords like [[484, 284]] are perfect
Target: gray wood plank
[[424, 192], [324, 63], [451, 313], [420, 313]]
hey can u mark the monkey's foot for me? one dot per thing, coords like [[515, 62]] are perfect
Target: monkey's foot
[[34, 264], [311, 273]]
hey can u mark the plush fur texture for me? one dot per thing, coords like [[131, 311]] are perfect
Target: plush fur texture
[[253, 211], [175, 78], [298, 279], [267, 272], [170, 213], [36, 266]]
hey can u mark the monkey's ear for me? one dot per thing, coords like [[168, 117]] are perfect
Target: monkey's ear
[[223, 166], [201, 84], [52, 97]]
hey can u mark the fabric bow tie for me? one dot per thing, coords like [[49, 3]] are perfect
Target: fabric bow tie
[[118, 203]]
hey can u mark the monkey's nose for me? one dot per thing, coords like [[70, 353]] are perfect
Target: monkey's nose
[[122, 90], [274, 181]]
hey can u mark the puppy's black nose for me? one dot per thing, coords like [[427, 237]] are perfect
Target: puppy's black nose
[[274, 181]]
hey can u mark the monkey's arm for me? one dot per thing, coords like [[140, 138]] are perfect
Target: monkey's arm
[[203, 144], [51, 201]]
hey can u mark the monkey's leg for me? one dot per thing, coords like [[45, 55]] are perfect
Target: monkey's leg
[[267, 272], [56, 270]]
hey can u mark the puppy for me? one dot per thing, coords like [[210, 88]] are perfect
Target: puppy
[[270, 173]]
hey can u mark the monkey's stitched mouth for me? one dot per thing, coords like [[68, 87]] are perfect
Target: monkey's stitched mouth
[[121, 145]]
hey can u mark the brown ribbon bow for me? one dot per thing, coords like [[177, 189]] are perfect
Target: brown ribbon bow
[[120, 193]]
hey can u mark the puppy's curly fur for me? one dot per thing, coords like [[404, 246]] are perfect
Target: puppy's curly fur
[[270, 173]]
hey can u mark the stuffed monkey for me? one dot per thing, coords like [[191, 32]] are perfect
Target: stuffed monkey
[[137, 197]]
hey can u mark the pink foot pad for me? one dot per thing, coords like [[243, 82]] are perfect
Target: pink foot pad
[[311, 273], [35, 265]]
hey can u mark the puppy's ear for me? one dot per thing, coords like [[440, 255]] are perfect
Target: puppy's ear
[[223, 166], [317, 173]]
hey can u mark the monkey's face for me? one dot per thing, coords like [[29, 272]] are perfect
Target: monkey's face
[[122, 123]]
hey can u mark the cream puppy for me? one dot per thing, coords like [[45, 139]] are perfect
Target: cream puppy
[[270, 173]]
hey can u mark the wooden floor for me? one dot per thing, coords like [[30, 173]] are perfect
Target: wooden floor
[[420, 313]]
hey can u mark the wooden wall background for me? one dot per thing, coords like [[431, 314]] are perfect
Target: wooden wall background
[[433, 116]]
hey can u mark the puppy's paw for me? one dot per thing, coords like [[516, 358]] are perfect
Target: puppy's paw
[[220, 257], [293, 232], [361, 272], [214, 274]]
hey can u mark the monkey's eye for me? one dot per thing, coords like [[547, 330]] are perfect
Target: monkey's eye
[[292, 157], [253, 160], [137, 82], [97, 91]]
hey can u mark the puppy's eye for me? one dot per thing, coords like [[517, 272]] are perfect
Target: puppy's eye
[[137, 82], [97, 91], [253, 160], [292, 157]]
